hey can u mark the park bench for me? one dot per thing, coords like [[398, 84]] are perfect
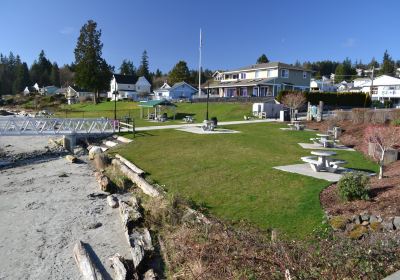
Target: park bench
[[332, 165], [315, 164], [208, 126]]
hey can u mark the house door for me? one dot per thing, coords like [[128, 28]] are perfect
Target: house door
[[255, 91]]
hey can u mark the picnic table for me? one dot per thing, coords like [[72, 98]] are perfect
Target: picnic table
[[322, 161], [188, 119], [323, 140], [296, 125]]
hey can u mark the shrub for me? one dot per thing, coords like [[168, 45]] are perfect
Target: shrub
[[348, 99], [353, 186], [396, 122]]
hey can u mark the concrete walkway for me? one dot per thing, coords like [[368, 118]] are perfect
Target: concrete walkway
[[184, 125], [313, 146], [305, 169]]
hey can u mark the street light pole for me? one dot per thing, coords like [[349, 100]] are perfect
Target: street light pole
[[115, 104], [208, 96]]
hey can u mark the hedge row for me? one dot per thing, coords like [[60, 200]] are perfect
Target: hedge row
[[345, 99]]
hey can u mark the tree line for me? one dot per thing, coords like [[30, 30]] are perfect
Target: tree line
[[90, 70]]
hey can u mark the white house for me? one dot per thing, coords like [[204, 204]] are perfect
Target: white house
[[180, 90], [26, 91], [345, 86], [36, 86], [265, 79], [384, 88], [128, 87], [323, 85]]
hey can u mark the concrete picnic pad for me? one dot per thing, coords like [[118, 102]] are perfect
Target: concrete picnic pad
[[199, 130], [289, 128], [312, 146], [304, 169]]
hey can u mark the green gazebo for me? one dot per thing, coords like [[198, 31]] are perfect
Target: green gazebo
[[156, 105]]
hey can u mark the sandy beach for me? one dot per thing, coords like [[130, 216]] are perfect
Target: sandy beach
[[46, 206]]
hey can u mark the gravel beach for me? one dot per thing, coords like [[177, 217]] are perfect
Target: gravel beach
[[46, 206]]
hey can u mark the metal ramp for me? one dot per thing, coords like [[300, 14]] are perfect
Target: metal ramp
[[27, 126]]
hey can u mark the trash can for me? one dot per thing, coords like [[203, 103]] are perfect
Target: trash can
[[214, 120]]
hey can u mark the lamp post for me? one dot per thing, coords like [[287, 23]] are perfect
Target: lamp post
[[115, 104], [208, 96]]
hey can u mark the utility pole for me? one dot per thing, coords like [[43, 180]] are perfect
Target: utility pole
[[200, 64], [372, 80]]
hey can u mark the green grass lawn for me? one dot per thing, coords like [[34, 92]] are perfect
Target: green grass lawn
[[233, 175], [223, 111]]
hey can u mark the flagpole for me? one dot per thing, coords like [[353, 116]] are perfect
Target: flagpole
[[200, 65]]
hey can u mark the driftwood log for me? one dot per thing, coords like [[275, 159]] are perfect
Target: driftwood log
[[71, 158], [84, 262], [145, 186], [123, 139], [130, 164], [117, 263]]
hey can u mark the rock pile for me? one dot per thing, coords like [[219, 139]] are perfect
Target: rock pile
[[137, 235], [357, 226]]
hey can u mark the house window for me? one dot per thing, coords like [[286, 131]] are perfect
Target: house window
[[304, 75], [242, 75], [235, 76], [284, 73], [257, 74]]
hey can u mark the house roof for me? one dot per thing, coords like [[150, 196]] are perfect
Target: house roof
[[78, 89], [176, 85], [125, 79], [268, 65], [142, 79], [383, 80], [154, 103]]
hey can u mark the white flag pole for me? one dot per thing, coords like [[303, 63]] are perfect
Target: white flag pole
[[200, 64]]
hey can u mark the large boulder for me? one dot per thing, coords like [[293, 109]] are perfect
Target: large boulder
[[101, 161], [94, 151], [112, 201], [396, 222], [140, 243]]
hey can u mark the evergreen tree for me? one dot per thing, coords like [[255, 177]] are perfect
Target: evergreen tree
[[55, 75], [21, 78], [345, 71], [127, 68], [387, 65], [262, 59], [373, 63], [158, 73], [143, 69], [179, 73], [41, 70], [92, 71]]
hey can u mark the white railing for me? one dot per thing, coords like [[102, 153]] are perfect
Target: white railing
[[14, 126]]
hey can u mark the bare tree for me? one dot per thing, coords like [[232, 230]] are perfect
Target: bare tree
[[294, 101], [384, 138]]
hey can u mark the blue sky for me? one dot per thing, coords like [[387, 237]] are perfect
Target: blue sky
[[235, 32]]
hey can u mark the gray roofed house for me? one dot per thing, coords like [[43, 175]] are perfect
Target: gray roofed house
[[265, 79], [181, 90]]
